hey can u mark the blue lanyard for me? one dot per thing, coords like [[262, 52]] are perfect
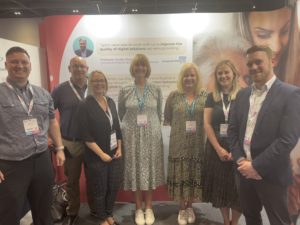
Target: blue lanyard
[[190, 108], [141, 101]]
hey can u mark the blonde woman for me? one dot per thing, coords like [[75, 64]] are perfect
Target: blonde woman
[[184, 113], [140, 112], [218, 173]]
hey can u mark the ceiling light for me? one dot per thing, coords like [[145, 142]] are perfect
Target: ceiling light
[[17, 13], [134, 10], [75, 11], [253, 7]]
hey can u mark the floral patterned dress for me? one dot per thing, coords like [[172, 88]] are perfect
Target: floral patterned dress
[[142, 145], [186, 148]]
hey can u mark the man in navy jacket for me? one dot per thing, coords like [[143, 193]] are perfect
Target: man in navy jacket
[[263, 129]]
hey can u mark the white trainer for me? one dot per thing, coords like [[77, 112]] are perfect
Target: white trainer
[[139, 217], [191, 218], [182, 217], [149, 216]]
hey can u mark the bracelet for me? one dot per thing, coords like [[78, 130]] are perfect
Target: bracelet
[[59, 148]]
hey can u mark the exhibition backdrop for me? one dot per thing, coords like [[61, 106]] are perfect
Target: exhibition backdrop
[[170, 41], [38, 73]]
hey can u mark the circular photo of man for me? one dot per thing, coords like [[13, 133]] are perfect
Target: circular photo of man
[[83, 46]]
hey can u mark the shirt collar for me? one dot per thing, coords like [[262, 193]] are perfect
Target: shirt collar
[[267, 85], [14, 84]]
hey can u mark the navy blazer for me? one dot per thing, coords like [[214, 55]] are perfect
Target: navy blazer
[[275, 134]]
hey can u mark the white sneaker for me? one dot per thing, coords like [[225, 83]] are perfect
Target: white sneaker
[[139, 217], [190, 215], [149, 217], [182, 217]]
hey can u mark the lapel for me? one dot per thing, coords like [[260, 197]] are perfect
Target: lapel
[[245, 106], [271, 95]]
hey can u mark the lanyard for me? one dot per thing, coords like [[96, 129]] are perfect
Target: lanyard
[[190, 108], [75, 91], [109, 115], [141, 101], [225, 110], [28, 109]]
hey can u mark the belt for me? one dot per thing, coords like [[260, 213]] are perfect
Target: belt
[[71, 139]]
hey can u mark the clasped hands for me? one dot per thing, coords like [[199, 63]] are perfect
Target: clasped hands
[[247, 170]]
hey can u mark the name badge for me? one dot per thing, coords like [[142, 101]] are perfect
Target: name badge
[[142, 120], [113, 141], [247, 141], [190, 126], [223, 129], [31, 126]]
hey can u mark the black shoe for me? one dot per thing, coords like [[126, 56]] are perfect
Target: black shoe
[[93, 214], [70, 220]]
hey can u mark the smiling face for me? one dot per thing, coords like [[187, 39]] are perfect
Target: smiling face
[[260, 68], [78, 68], [189, 80], [139, 70], [82, 44], [18, 66], [271, 29], [224, 77], [99, 84]]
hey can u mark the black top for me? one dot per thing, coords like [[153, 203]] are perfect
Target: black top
[[95, 126], [67, 104], [217, 113]]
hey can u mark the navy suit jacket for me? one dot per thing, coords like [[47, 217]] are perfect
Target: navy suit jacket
[[275, 134]]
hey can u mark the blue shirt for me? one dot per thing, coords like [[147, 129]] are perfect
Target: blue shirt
[[15, 145]]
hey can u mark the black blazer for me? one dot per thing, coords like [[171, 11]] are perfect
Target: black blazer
[[275, 134]]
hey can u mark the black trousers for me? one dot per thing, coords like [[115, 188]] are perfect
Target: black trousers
[[257, 194], [104, 180], [30, 179]]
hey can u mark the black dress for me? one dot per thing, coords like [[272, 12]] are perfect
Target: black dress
[[218, 179]]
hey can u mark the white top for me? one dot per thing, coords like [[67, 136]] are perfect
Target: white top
[[256, 100]]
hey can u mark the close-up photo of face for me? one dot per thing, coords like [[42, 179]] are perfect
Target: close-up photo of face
[[99, 85], [271, 28], [18, 66], [189, 79], [78, 67], [82, 44], [224, 75], [140, 70]]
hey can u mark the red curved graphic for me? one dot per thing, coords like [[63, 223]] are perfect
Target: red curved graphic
[[54, 35]]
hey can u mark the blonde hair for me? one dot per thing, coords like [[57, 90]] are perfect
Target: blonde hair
[[140, 59], [209, 50], [217, 88], [183, 71], [90, 89]]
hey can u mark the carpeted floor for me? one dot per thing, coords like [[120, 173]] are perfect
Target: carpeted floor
[[165, 213]]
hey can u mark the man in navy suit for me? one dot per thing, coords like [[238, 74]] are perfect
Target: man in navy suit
[[264, 127]]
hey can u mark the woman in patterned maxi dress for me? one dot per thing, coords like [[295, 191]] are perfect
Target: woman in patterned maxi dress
[[184, 113], [140, 112]]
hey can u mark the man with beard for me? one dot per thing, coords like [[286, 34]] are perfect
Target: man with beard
[[263, 130]]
